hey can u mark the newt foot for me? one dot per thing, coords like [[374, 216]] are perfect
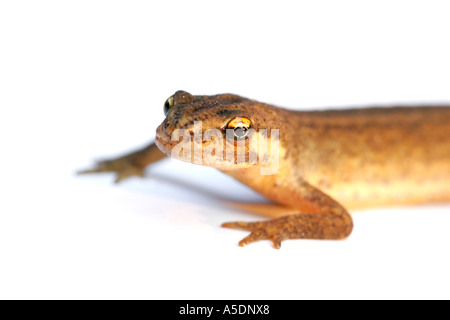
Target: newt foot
[[264, 230], [123, 167], [298, 226]]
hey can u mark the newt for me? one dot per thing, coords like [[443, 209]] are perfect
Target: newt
[[327, 161]]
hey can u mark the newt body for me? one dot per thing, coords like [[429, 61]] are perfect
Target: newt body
[[327, 160], [376, 156]]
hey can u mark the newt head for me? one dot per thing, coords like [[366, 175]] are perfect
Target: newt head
[[225, 131]]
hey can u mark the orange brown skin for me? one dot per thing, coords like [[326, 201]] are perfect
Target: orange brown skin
[[360, 157]]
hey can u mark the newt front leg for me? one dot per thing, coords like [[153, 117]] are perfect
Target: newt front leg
[[132, 164], [321, 217]]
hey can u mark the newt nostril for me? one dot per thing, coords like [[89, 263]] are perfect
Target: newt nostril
[[167, 128]]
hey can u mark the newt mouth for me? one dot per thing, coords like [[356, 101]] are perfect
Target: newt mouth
[[163, 141], [163, 145]]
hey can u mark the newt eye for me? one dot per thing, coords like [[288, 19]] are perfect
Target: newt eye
[[168, 104], [240, 128]]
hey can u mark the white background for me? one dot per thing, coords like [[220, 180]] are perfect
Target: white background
[[82, 80]]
